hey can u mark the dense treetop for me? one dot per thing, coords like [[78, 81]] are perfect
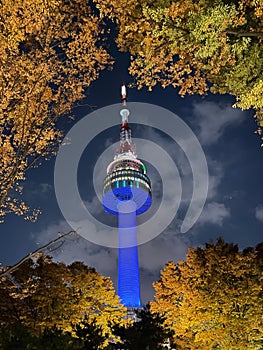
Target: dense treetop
[[49, 52], [194, 45], [213, 300], [42, 294]]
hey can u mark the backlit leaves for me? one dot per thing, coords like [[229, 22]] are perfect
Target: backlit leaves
[[49, 52], [195, 46], [44, 294], [214, 299]]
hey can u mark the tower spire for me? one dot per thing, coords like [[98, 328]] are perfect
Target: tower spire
[[124, 111], [126, 146]]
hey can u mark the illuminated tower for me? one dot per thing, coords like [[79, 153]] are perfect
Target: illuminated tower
[[126, 194]]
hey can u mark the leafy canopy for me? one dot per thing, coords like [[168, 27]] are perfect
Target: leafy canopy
[[194, 45], [213, 300], [43, 294], [49, 52]]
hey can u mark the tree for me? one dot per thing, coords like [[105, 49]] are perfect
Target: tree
[[194, 45], [44, 293], [50, 51], [19, 338], [147, 333], [214, 299], [90, 334]]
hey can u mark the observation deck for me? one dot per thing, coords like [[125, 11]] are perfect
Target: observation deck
[[127, 180]]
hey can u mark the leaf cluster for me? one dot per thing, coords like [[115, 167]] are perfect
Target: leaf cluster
[[50, 51], [195, 46], [213, 300], [41, 294]]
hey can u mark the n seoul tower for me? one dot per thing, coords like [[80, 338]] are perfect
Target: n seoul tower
[[126, 194]]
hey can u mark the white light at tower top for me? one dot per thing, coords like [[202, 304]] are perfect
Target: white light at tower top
[[123, 93]]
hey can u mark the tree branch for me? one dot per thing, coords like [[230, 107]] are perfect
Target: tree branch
[[11, 269], [243, 34]]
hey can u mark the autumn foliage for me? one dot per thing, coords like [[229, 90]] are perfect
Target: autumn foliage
[[213, 300], [195, 46], [42, 294], [50, 50]]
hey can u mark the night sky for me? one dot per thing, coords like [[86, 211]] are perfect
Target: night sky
[[234, 206]]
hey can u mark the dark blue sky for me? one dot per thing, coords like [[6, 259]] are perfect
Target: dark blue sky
[[234, 208]]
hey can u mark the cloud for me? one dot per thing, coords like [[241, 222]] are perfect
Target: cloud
[[259, 212], [169, 246], [76, 248], [213, 118], [216, 174], [45, 188], [50, 232], [214, 213], [33, 191], [216, 171]]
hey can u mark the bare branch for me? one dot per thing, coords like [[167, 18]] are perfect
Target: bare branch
[[11, 269], [243, 34]]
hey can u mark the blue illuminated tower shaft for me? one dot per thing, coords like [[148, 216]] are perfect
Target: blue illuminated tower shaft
[[128, 264], [126, 194]]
